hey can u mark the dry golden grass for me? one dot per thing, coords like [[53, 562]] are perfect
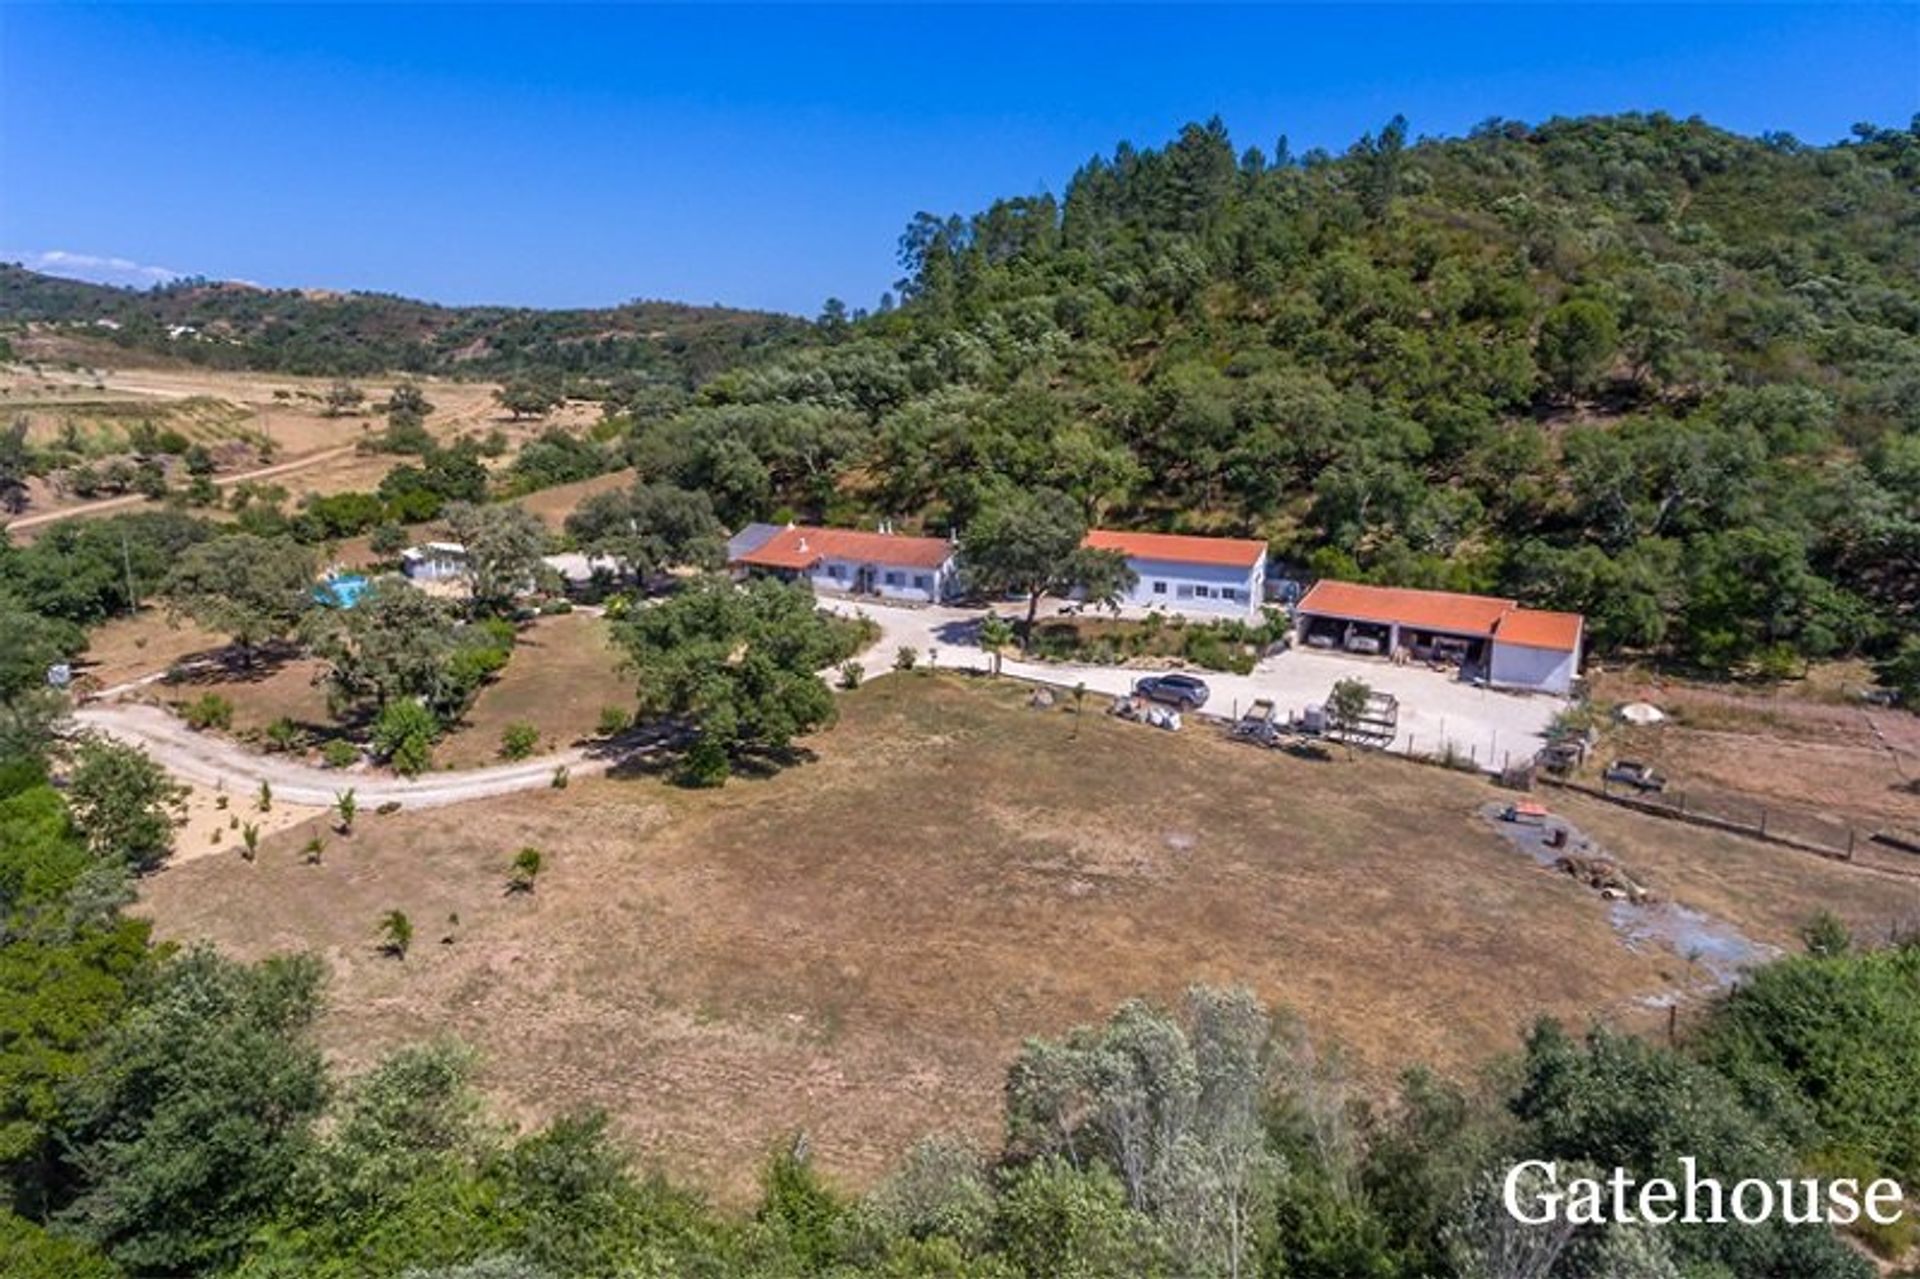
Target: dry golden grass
[[857, 945]]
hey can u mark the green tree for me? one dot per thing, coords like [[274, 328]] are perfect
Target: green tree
[[189, 1122], [529, 396], [740, 664], [504, 545], [1578, 340], [650, 528], [251, 589], [396, 643], [123, 802], [1029, 542]]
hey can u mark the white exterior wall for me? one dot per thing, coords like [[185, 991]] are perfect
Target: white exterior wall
[[1543, 669], [838, 577], [1179, 581]]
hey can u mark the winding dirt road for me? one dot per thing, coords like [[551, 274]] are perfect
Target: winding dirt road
[[210, 761]]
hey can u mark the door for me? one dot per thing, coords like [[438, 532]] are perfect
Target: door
[[863, 580]]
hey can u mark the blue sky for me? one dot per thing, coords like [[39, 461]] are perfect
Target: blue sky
[[554, 155]]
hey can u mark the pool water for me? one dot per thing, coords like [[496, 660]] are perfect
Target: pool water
[[343, 591]]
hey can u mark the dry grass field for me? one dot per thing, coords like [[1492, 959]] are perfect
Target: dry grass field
[[856, 946], [1809, 751], [232, 413], [564, 669]]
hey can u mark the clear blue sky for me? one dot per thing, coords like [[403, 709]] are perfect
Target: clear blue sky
[[553, 155]]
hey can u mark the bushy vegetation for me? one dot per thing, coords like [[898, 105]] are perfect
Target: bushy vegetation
[[1636, 367], [739, 666], [168, 1114]]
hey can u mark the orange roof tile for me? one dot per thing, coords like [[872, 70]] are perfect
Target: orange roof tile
[[1536, 628], [1446, 611], [1426, 610], [801, 546], [1177, 548]]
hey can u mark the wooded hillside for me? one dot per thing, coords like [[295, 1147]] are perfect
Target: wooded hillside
[[304, 331], [1638, 367]]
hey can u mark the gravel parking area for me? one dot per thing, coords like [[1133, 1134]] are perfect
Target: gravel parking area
[[1436, 710]]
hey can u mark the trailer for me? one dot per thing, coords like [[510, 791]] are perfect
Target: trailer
[[1259, 724]]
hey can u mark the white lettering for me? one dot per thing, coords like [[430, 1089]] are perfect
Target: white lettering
[[1662, 1191], [1883, 1191], [1759, 1214], [1549, 1198], [1843, 1199]]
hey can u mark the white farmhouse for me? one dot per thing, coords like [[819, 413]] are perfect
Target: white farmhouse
[[1202, 577], [840, 561]]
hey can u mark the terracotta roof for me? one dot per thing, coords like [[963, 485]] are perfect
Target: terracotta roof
[[1176, 548], [1534, 628], [1426, 610], [801, 546], [1487, 616]]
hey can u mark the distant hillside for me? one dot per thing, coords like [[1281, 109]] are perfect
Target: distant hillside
[[308, 331]]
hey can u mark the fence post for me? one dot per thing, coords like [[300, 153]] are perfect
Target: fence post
[[1763, 819], [1850, 833]]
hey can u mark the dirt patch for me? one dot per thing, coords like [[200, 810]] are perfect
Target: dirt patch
[[857, 945], [1809, 752]]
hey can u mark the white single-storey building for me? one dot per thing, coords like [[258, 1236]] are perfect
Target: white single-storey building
[[840, 561], [1485, 636], [434, 561], [1204, 577]]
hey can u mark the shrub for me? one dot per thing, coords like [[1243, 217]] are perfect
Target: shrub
[[554, 608], [906, 658], [388, 539], [518, 740], [561, 776], [850, 675], [614, 720], [284, 735], [404, 734], [339, 753], [526, 868], [210, 710], [705, 763]]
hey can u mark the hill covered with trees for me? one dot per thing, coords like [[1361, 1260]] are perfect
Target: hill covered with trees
[[1635, 366], [240, 326]]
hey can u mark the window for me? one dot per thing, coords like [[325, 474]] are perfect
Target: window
[[1203, 592], [894, 579], [1159, 588], [1228, 593], [924, 582], [836, 571], [1184, 592]]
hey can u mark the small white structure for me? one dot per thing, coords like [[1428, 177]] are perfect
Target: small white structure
[[578, 569], [1201, 577], [434, 561], [840, 561]]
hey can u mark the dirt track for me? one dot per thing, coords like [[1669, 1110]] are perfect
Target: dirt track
[[206, 760]]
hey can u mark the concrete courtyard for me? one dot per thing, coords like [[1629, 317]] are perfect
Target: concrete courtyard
[[1436, 710]]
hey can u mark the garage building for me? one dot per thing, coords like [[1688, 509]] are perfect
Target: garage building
[[1488, 638]]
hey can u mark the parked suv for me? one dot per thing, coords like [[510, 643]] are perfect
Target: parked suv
[[1184, 691]]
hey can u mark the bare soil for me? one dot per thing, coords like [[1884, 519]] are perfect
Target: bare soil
[[857, 945], [1810, 753]]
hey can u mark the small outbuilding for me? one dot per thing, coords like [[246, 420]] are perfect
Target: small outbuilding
[[434, 561]]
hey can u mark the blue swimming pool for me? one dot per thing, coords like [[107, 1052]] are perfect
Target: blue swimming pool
[[341, 591]]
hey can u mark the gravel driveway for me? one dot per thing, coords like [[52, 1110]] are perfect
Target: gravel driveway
[[1489, 725]]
